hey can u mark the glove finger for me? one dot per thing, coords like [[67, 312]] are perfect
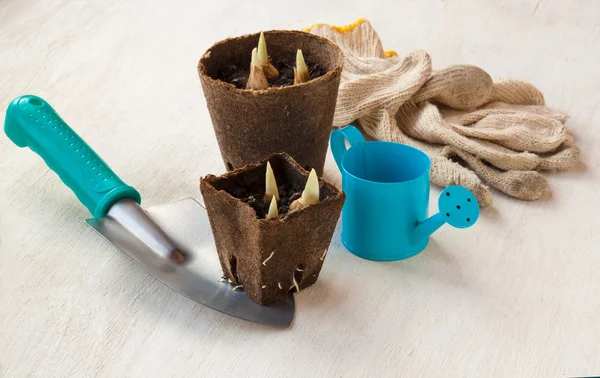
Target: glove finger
[[423, 121], [516, 92], [445, 172], [503, 108], [525, 185], [518, 131], [459, 87], [564, 159]]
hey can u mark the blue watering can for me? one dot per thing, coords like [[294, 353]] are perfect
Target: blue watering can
[[387, 195]]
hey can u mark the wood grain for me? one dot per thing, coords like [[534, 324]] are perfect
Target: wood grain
[[515, 296]]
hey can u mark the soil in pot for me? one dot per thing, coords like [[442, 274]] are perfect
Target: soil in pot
[[251, 189], [238, 75]]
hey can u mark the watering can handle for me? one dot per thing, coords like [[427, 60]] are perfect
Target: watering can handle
[[338, 142]]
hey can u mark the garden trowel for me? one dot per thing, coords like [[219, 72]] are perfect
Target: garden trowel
[[173, 242]]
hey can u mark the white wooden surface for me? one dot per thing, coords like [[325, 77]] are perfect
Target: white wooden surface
[[515, 296]]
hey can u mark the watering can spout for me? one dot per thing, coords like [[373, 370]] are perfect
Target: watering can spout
[[427, 227], [458, 207]]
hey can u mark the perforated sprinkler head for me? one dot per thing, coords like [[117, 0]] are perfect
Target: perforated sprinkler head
[[458, 206]]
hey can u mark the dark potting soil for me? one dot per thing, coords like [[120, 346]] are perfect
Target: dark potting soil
[[238, 76], [261, 206], [253, 195], [248, 184]]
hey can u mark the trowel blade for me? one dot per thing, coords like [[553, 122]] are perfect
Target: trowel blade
[[186, 223]]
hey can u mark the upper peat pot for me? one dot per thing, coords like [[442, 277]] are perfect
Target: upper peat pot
[[290, 115]]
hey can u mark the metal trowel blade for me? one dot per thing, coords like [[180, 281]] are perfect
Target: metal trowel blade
[[186, 223]]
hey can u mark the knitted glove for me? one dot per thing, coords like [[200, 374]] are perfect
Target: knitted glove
[[474, 130]]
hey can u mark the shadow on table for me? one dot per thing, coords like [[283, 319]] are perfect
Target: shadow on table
[[343, 277]]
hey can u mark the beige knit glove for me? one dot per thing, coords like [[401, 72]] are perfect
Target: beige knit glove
[[473, 129]]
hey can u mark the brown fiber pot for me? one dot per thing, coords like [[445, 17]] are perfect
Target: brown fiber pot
[[253, 124], [266, 256]]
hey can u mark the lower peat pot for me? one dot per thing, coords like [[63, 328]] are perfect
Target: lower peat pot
[[270, 257]]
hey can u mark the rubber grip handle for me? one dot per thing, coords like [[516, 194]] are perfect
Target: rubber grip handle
[[32, 122]]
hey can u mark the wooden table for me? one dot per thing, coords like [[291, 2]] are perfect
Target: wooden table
[[515, 296]]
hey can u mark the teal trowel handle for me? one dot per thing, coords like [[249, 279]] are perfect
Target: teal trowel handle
[[31, 122]]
